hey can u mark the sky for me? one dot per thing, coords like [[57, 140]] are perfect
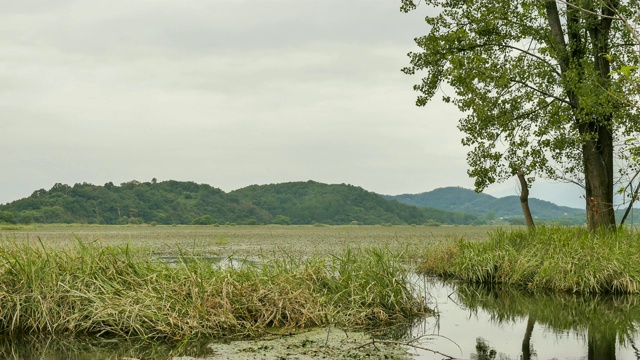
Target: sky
[[228, 93]]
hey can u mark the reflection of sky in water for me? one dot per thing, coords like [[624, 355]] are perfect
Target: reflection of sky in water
[[462, 326]]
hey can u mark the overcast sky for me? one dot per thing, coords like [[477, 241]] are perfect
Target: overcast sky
[[224, 92]]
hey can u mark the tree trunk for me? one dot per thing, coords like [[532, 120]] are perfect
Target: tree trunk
[[601, 344], [634, 196], [527, 350], [597, 151], [524, 200], [598, 171]]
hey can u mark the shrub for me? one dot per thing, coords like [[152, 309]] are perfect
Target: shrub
[[281, 220], [203, 220]]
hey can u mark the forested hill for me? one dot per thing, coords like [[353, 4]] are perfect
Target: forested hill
[[308, 202], [176, 202], [468, 201]]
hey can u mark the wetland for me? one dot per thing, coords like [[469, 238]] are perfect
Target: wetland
[[182, 266]]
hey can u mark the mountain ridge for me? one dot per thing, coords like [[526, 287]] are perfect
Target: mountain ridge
[[466, 200]]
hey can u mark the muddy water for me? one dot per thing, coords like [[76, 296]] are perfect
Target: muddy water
[[481, 323]]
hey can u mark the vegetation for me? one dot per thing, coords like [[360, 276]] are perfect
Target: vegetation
[[547, 259], [310, 202], [248, 242], [537, 83], [174, 202], [491, 208], [124, 292]]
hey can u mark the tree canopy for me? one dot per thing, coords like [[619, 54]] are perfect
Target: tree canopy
[[535, 80], [176, 202]]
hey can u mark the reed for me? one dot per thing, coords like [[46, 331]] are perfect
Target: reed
[[118, 291], [548, 258]]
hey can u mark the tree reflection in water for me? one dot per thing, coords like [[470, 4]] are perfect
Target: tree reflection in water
[[602, 319]]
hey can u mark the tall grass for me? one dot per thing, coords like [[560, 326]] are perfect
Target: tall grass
[[549, 258], [117, 291]]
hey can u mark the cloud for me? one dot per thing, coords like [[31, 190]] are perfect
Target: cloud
[[229, 93]]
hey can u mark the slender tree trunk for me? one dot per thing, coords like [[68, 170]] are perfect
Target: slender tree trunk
[[634, 196], [524, 200]]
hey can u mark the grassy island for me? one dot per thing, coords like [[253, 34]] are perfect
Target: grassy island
[[120, 291], [568, 259]]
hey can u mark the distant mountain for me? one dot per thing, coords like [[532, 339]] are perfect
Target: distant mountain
[[468, 201], [175, 202], [308, 202]]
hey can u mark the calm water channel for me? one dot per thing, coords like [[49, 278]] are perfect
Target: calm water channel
[[481, 323], [473, 323]]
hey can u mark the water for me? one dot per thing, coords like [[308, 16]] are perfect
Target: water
[[221, 262], [476, 322]]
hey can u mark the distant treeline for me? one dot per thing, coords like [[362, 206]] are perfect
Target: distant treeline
[[179, 202]]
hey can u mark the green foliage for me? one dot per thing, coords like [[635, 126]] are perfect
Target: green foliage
[[173, 202], [203, 220], [534, 81], [135, 221], [7, 217], [312, 202], [281, 220]]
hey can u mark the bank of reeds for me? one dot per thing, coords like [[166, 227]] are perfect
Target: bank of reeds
[[549, 258], [121, 292]]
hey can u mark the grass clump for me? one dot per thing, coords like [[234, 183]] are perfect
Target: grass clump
[[117, 291], [548, 258]]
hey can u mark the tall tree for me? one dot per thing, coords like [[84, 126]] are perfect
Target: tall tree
[[534, 80]]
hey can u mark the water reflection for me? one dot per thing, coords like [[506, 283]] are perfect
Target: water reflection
[[504, 323], [40, 348]]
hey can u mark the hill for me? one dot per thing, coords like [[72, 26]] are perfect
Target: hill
[[175, 202], [468, 201], [308, 202]]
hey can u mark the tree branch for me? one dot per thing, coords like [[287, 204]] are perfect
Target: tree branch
[[555, 25], [540, 91], [538, 57]]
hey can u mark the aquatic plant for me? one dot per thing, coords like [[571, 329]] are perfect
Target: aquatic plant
[[125, 292]]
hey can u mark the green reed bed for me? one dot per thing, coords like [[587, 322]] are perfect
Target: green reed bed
[[548, 258], [117, 291]]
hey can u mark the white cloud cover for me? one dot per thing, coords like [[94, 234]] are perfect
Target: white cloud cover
[[228, 93]]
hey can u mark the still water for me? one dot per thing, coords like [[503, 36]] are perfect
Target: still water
[[476, 322]]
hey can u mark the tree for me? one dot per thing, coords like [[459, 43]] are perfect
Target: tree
[[534, 80], [203, 220], [524, 200], [7, 217]]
